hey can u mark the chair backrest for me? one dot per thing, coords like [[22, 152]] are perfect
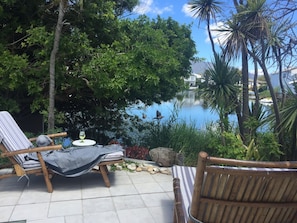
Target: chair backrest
[[12, 137], [244, 191]]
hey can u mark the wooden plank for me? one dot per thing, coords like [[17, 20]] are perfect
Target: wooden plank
[[54, 135], [240, 213], [31, 150], [45, 173], [178, 216], [201, 164], [251, 204], [270, 191], [234, 162], [246, 195]]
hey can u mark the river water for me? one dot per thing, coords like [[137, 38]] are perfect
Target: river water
[[189, 110]]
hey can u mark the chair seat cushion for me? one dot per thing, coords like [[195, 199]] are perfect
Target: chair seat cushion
[[31, 164], [113, 156], [186, 176]]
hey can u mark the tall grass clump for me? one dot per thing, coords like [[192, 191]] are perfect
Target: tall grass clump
[[181, 137]]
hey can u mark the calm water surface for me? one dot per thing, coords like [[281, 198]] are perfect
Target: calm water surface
[[190, 110]]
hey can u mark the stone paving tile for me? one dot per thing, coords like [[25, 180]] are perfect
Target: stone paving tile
[[74, 219], [119, 190], [97, 205], [95, 192], [133, 197], [10, 196], [48, 220], [66, 194], [162, 214], [148, 188], [162, 177], [65, 208], [138, 215], [128, 202], [121, 179], [156, 199], [13, 182], [108, 217], [142, 177], [32, 197], [5, 213], [30, 212], [166, 185]]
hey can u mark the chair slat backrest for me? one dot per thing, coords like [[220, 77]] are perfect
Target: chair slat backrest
[[244, 194], [12, 137]]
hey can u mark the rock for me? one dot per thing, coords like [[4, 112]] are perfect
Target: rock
[[163, 156], [150, 169], [119, 168], [138, 169], [131, 166], [153, 170], [146, 166], [165, 171]]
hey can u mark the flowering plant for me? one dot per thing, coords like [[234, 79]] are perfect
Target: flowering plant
[[137, 152]]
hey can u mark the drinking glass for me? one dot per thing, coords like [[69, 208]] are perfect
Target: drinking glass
[[82, 135]]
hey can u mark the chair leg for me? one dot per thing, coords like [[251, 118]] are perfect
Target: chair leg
[[45, 174], [104, 172]]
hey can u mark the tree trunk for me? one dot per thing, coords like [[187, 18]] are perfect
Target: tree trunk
[[294, 147], [245, 93], [280, 71], [51, 108], [262, 64], [255, 90], [210, 36]]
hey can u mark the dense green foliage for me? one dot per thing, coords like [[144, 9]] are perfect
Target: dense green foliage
[[104, 63], [260, 33], [189, 141]]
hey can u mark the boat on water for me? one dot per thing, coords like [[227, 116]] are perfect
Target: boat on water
[[266, 101]]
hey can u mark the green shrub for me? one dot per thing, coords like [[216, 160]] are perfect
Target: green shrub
[[182, 138], [188, 140], [268, 147], [230, 146]]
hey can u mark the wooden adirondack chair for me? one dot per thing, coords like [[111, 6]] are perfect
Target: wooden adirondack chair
[[231, 191], [15, 145]]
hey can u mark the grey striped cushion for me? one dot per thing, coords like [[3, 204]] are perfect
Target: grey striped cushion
[[186, 175], [12, 136]]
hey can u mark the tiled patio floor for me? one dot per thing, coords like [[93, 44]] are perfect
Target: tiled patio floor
[[132, 198]]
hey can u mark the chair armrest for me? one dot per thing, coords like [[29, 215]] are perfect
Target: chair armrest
[[54, 135], [31, 150], [178, 210]]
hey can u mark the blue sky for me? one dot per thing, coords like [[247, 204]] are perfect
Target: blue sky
[[178, 10]]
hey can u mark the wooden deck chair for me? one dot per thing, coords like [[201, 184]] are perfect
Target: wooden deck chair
[[232, 191], [15, 145]]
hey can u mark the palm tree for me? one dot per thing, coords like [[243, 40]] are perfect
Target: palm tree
[[289, 121], [222, 89], [279, 42], [235, 46], [243, 30], [205, 10]]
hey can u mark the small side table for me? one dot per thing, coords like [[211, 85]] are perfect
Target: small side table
[[85, 142]]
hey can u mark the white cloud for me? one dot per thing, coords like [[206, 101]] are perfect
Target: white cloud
[[159, 11], [143, 7], [187, 10], [219, 37], [148, 6]]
